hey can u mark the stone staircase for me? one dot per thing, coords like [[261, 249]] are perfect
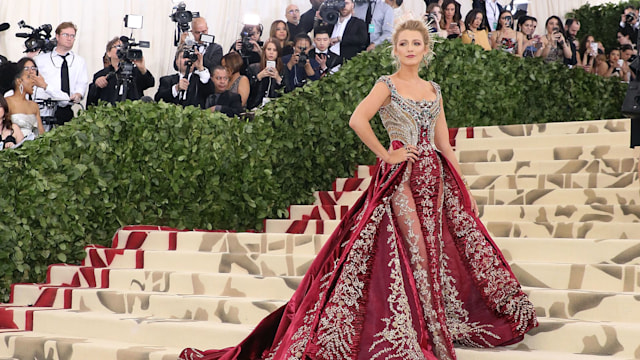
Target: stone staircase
[[562, 201]]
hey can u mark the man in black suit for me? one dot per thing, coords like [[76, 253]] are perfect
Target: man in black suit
[[328, 61], [212, 52], [349, 35], [223, 100], [187, 87], [109, 83], [307, 20]]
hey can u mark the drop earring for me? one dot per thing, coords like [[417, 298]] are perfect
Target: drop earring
[[21, 88]]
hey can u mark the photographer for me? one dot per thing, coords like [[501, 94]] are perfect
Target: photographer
[[308, 19], [106, 84], [629, 23], [299, 67], [212, 52], [191, 85], [349, 34], [249, 45], [64, 73]]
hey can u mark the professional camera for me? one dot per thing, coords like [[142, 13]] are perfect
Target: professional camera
[[182, 16], [189, 51], [246, 34], [127, 55], [330, 11], [630, 17], [38, 39], [302, 60]]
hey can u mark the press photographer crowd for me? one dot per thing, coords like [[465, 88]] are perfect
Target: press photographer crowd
[[41, 88]]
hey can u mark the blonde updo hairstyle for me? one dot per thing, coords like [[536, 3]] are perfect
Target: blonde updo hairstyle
[[414, 25]]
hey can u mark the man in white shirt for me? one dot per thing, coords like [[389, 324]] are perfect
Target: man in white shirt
[[65, 75], [492, 10], [191, 86], [349, 35]]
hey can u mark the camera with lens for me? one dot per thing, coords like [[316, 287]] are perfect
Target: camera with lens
[[38, 39], [303, 58], [245, 36], [127, 55], [182, 16], [189, 51], [329, 11], [630, 17]]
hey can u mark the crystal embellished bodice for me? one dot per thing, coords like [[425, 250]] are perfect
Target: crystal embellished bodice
[[408, 121]]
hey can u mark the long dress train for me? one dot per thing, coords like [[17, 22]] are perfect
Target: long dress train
[[409, 271]]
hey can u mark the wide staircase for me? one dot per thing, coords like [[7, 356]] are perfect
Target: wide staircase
[[561, 200]]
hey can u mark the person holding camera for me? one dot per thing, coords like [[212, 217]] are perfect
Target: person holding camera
[[222, 100], [108, 83], [64, 72], [451, 21], [249, 45], [211, 51], [299, 67], [505, 37], [629, 22], [349, 34], [555, 47], [191, 85], [473, 33], [267, 77]]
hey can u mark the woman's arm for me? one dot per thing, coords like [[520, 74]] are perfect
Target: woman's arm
[[17, 133], [359, 122], [442, 143], [244, 89], [520, 42], [37, 112]]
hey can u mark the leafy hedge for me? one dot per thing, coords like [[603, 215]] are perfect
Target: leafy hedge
[[137, 163], [601, 21]]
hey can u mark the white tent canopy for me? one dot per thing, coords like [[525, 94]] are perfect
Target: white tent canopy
[[99, 20]]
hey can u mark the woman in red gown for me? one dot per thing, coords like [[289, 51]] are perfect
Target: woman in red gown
[[411, 270]]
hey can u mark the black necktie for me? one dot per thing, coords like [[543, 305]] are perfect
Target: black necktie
[[369, 14], [64, 75]]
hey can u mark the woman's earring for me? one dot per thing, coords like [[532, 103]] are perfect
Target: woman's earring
[[21, 89]]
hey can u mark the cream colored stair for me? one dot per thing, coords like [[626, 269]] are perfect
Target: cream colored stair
[[561, 200]]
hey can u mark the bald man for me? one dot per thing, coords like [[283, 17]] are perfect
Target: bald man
[[212, 52], [292, 13]]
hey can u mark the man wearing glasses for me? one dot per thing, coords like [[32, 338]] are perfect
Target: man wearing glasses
[[64, 73], [292, 13]]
